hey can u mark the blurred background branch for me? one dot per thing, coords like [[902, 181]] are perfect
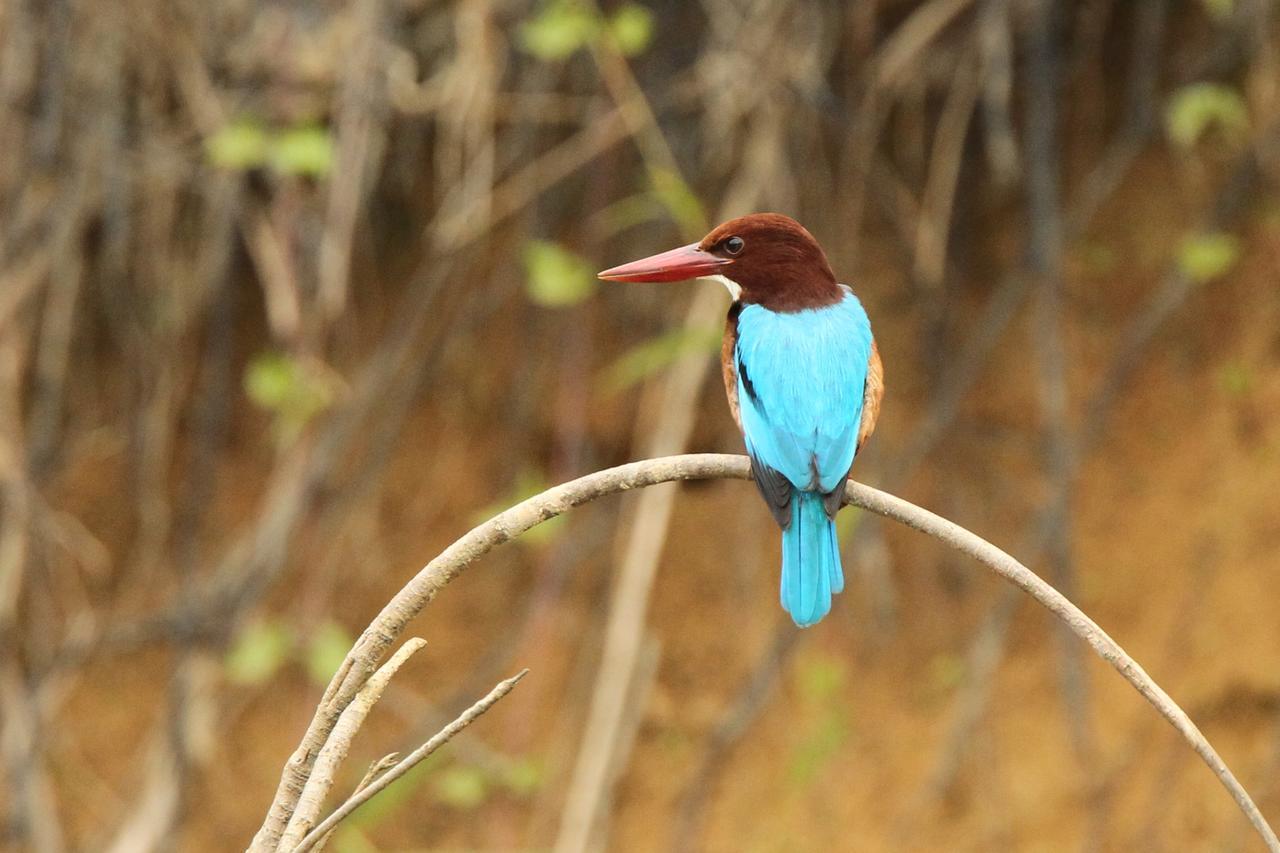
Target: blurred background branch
[[289, 291]]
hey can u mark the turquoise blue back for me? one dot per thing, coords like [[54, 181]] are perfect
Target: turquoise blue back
[[801, 377]]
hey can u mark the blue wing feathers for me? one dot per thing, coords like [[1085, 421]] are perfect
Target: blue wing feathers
[[807, 370], [800, 389]]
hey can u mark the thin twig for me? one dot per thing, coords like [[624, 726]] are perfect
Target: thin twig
[[375, 770], [362, 796]]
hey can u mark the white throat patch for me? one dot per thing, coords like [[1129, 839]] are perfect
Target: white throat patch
[[735, 289]]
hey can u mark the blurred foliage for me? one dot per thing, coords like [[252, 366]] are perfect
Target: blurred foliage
[[523, 777], [561, 28], [264, 646], [666, 196], [294, 391], [245, 144], [242, 144], [258, 652], [631, 29], [818, 749], [1238, 379], [465, 786], [1204, 257], [679, 199], [558, 30], [1219, 10], [820, 679], [303, 151], [461, 786], [656, 354], [528, 482], [327, 648], [1195, 110], [556, 277]]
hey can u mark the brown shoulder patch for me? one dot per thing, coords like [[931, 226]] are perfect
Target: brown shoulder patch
[[872, 394], [728, 362]]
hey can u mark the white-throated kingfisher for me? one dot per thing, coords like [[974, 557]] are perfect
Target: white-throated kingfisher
[[803, 377]]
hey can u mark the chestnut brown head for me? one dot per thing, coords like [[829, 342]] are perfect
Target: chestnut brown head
[[763, 258]]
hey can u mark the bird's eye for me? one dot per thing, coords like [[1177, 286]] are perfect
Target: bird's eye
[[734, 245]]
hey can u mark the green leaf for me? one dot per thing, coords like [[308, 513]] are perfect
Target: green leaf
[[649, 357], [269, 379], [1196, 108], [239, 146], [304, 150], [631, 28], [462, 787], [679, 200], [258, 652], [555, 276], [295, 392], [1205, 257], [523, 777], [326, 650], [561, 28]]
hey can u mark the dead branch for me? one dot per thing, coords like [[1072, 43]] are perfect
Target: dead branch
[[362, 660]]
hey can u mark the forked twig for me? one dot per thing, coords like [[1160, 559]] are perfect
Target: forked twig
[[406, 764], [335, 750]]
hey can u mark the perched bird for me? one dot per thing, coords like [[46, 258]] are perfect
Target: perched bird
[[803, 377]]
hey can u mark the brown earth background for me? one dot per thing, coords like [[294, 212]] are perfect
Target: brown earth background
[[292, 294]]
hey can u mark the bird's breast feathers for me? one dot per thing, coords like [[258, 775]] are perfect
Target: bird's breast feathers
[[800, 383]]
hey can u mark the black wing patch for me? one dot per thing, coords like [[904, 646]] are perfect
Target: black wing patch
[[773, 486], [834, 499], [748, 387], [776, 490]]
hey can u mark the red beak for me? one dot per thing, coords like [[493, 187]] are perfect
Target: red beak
[[675, 265]]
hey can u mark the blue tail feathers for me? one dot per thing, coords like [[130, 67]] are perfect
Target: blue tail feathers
[[811, 571]]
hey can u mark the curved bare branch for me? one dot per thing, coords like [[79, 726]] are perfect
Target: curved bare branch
[[364, 657]]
